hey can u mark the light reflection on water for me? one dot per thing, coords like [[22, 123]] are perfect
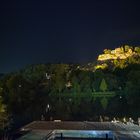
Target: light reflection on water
[[43, 135]]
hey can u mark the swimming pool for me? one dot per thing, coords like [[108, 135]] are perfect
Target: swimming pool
[[68, 135]]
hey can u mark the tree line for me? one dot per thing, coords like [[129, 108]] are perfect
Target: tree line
[[66, 92]]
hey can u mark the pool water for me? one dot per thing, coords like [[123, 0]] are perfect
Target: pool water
[[68, 135]]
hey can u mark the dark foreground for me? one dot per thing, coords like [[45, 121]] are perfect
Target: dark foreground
[[80, 130]]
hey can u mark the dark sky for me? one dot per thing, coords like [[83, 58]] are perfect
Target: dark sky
[[64, 31]]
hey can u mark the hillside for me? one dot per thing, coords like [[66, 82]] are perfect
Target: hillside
[[119, 57], [123, 52], [50, 89]]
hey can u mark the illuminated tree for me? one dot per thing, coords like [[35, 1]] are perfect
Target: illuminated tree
[[103, 85], [107, 51], [126, 48], [98, 76], [137, 49]]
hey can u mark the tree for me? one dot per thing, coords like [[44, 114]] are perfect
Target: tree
[[34, 73], [104, 103], [111, 80], [137, 49], [3, 114], [126, 48], [59, 72], [132, 91], [107, 51], [85, 81], [98, 76], [103, 85]]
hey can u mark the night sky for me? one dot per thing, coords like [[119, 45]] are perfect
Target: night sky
[[37, 31]]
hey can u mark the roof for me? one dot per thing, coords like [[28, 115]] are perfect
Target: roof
[[119, 130]]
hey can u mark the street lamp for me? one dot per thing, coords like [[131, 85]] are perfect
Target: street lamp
[[47, 108], [47, 111], [19, 86]]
